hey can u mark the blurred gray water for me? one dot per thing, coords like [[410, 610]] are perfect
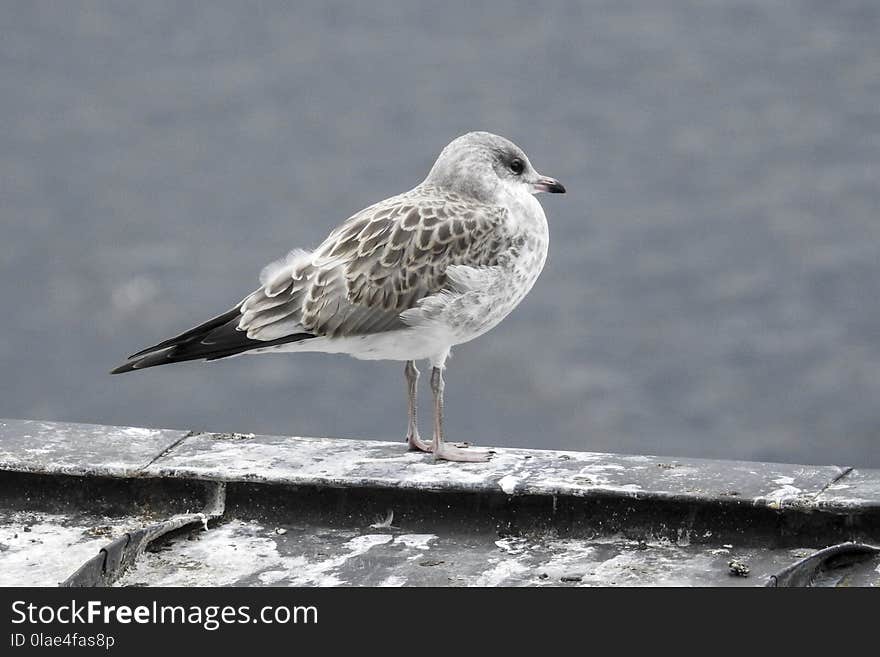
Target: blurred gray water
[[713, 283]]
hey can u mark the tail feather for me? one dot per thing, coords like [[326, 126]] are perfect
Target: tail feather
[[217, 338]]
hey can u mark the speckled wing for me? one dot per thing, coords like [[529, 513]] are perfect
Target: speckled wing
[[378, 264]]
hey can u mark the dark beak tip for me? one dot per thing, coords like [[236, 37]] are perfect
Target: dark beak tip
[[554, 186], [551, 186]]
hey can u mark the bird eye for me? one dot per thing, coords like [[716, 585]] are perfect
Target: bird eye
[[517, 166]]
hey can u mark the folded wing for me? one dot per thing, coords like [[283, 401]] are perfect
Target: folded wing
[[378, 264], [381, 262]]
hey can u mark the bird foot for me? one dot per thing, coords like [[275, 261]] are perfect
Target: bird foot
[[416, 444], [461, 452]]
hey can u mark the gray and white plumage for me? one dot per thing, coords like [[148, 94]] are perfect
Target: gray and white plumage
[[404, 279]]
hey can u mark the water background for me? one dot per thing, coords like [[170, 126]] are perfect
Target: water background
[[713, 285]]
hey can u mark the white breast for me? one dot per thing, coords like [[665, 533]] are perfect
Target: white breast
[[482, 297]]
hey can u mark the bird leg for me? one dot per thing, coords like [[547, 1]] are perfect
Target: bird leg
[[444, 451], [412, 390]]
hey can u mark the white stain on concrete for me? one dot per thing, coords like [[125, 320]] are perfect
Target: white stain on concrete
[[238, 551], [220, 557], [299, 571], [392, 581], [46, 549], [416, 541], [776, 498], [512, 545], [508, 483], [653, 567], [503, 571]]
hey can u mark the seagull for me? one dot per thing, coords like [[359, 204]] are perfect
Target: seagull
[[405, 279]]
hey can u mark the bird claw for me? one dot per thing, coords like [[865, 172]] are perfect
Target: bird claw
[[416, 444], [460, 452], [453, 452]]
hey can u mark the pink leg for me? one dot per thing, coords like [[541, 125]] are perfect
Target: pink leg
[[412, 431], [444, 451]]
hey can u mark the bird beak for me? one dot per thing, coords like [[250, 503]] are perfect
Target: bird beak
[[551, 185]]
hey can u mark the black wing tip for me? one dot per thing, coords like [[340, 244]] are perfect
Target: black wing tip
[[125, 367], [143, 352], [130, 366], [186, 352], [148, 359]]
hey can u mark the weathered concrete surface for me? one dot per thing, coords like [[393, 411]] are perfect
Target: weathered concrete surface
[[121, 554], [43, 548], [858, 489], [306, 511], [351, 463], [253, 553], [124, 451], [80, 449]]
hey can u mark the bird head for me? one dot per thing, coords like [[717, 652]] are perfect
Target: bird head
[[481, 165]]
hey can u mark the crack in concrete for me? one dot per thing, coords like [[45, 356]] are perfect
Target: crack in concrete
[[842, 475], [167, 450]]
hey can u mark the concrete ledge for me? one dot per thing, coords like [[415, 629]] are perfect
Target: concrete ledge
[[80, 503], [81, 449]]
